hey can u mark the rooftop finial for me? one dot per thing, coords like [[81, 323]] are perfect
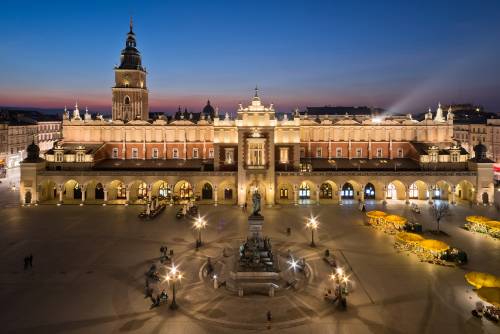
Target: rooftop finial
[[131, 23], [256, 91]]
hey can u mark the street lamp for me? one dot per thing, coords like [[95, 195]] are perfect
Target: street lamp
[[199, 224], [312, 224], [174, 275]]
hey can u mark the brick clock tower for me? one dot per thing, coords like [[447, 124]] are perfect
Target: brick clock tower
[[130, 94]]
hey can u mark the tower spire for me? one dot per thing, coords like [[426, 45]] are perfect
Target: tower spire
[[256, 91], [131, 23]]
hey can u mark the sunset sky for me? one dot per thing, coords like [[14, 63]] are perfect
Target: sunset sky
[[400, 55]]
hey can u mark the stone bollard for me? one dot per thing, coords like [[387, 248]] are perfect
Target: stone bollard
[[216, 283], [271, 291]]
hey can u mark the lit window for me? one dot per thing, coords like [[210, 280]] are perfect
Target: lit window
[[175, 153], [229, 154], [114, 153], [400, 153], [135, 153], [284, 193], [80, 157], [454, 157], [155, 153], [211, 153], [379, 153], [195, 153], [284, 155]]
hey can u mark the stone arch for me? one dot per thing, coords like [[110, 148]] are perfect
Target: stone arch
[[90, 190], [48, 190], [328, 192], [284, 193], [227, 193], [183, 190], [396, 190], [207, 191], [117, 190], [350, 190], [444, 189], [485, 198], [161, 189], [27, 197], [306, 191], [373, 190], [417, 190], [72, 190], [138, 190], [464, 191]]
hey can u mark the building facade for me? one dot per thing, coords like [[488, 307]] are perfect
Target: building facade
[[218, 159]]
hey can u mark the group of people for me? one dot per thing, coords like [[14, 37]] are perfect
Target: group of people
[[28, 261]]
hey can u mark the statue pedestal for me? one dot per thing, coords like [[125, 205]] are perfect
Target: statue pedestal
[[255, 223]]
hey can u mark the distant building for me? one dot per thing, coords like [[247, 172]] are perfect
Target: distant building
[[19, 128], [323, 155]]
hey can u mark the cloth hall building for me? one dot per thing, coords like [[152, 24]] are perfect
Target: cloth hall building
[[296, 158]]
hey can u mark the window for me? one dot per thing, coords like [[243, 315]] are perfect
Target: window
[[80, 156], [229, 155], [379, 153], [326, 191], [319, 152], [211, 153], [454, 157], [391, 191], [114, 153], [284, 193], [142, 191], [59, 157], [284, 155], [155, 153], [121, 191], [164, 190], [302, 152], [434, 157], [127, 100], [359, 152], [255, 154], [135, 153], [304, 191], [175, 153], [195, 153], [400, 153], [338, 152], [413, 191]]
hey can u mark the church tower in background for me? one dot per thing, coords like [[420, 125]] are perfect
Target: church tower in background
[[130, 94]]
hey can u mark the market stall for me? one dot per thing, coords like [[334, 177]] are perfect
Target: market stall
[[484, 225], [408, 241]]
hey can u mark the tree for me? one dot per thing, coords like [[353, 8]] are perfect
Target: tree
[[440, 210]]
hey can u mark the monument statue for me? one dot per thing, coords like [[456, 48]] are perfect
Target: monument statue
[[256, 204]]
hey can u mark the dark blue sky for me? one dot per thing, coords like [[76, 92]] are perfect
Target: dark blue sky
[[400, 55]]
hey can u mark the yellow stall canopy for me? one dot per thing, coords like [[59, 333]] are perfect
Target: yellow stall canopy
[[479, 280], [494, 224], [490, 295], [376, 214], [434, 245], [476, 219], [409, 237], [395, 219]]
